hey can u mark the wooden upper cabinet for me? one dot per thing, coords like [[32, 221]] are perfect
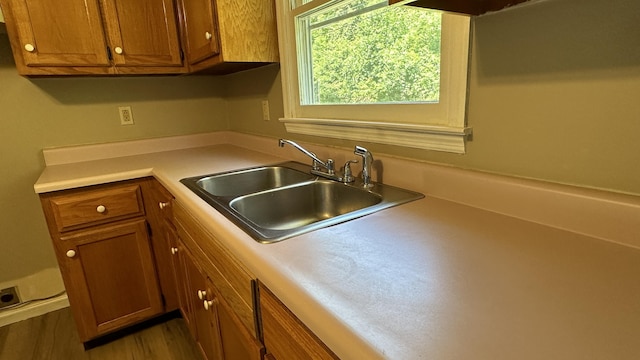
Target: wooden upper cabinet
[[223, 36], [57, 33], [469, 7], [142, 33], [102, 37], [95, 37], [200, 30]]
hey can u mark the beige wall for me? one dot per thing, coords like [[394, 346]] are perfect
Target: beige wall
[[40, 113], [554, 95]]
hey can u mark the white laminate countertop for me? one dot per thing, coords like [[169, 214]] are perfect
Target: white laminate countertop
[[431, 279]]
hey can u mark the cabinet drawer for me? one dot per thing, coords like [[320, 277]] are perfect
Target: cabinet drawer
[[90, 207]]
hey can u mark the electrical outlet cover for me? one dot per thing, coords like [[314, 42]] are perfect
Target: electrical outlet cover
[[126, 116], [9, 297]]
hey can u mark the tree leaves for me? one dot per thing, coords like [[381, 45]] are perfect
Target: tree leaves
[[387, 55]]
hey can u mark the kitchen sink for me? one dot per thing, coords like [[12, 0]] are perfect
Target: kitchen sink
[[251, 180], [277, 202], [303, 204]]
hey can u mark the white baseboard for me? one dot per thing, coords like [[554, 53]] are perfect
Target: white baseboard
[[34, 309]]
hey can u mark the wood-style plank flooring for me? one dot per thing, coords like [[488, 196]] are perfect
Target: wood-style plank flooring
[[53, 336]]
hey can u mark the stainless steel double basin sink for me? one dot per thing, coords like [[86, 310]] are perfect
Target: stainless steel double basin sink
[[276, 202]]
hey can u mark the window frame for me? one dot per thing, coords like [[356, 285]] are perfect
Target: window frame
[[445, 128]]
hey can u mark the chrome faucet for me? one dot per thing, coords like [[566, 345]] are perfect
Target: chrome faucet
[[329, 165], [367, 160], [315, 167]]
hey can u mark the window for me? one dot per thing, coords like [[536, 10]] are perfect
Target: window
[[363, 70], [363, 52]]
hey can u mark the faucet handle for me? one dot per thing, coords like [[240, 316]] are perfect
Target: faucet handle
[[330, 166], [348, 174]]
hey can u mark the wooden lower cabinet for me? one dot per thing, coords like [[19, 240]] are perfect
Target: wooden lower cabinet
[[101, 239], [217, 330], [110, 277], [129, 252], [285, 336], [158, 201], [237, 341], [179, 267], [207, 299], [205, 316]]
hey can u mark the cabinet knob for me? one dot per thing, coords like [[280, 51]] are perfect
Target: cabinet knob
[[30, 47], [207, 35], [163, 205], [118, 50], [201, 294], [71, 253], [101, 209], [208, 304], [174, 250]]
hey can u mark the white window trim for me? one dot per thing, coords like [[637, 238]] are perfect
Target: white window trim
[[449, 135]]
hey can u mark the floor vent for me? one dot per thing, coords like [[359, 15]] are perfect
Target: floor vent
[[8, 297]]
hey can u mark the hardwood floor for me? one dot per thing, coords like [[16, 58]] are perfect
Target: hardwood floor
[[53, 336]]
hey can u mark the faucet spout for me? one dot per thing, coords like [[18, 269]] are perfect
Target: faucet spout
[[316, 161]]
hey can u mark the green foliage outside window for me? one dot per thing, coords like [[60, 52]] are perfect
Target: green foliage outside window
[[388, 55]]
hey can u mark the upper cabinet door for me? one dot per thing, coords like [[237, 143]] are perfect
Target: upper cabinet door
[[200, 29], [142, 33], [59, 33]]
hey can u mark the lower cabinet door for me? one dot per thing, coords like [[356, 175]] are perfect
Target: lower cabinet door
[[218, 331], [110, 277], [285, 336], [179, 262], [204, 314], [237, 342]]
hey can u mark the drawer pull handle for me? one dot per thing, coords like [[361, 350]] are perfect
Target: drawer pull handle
[[208, 35], [208, 304], [174, 250], [162, 205], [201, 294], [101, 209], [30, 48], [71, 253]]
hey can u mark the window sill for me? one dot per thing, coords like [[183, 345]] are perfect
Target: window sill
[[439, 138]]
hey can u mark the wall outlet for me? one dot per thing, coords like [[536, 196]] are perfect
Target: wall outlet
[[9, 297], [126, 116], [265, 110]]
